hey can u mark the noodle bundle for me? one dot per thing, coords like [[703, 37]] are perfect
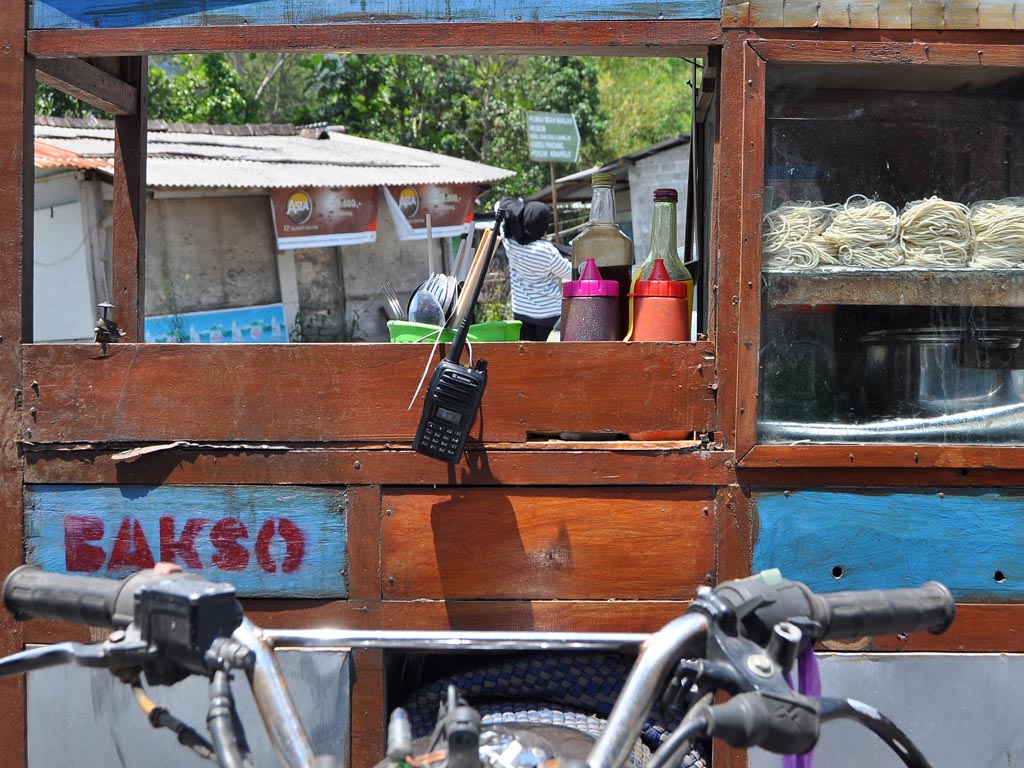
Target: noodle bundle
[[999, 233], [865, 233], [792, 236], [936, 233]]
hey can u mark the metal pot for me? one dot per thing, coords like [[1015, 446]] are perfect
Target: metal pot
[[932, 371]]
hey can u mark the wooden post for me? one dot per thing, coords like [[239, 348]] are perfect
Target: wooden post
[[17, 83], [554, 204], [129, 229]]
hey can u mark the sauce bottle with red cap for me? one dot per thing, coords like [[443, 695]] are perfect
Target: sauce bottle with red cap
[[664, 247], [661, 310]]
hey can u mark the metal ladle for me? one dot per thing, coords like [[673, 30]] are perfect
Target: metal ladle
[[425, 308]]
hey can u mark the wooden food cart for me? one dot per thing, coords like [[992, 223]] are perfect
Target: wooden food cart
[[311, 445]]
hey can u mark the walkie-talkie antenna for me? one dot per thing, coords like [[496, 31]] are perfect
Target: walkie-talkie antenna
[[459, 342]]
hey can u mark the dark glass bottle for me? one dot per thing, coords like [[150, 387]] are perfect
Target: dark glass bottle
[[603, 241]]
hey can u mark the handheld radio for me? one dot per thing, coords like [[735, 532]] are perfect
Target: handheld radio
[[455, 391]]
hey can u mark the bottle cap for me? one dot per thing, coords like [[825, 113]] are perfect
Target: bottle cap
[[666, 196], [602, 180], [590, 283], [660, 284]]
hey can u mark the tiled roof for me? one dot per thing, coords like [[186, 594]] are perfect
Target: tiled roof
[[51, 156]]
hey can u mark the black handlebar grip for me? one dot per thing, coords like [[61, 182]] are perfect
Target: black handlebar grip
[[929, 607], [30, 591]]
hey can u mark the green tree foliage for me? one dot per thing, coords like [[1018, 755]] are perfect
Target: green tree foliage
[[648, 100], [465, 106], [277, 81], [50, 101], [204, 89]]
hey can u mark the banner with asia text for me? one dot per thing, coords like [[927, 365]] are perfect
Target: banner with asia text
[[316, 217], [450, 207]]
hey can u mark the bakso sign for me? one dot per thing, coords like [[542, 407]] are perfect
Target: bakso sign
[[266, 540]]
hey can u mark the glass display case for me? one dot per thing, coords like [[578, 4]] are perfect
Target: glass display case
[[892, 254]]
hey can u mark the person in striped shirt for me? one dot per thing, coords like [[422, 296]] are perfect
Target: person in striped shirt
[[536, 269]]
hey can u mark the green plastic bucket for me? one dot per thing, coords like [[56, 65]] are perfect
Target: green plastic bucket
[[500, 330]]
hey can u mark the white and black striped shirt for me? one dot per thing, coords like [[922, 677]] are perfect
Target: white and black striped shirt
[[536, 272]]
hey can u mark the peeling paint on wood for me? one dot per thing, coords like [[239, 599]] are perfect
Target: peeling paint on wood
[[266, 540], [876, 14], [89, 14], [970, 541]]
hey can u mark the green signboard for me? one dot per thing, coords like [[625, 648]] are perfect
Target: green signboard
[[553, 137]]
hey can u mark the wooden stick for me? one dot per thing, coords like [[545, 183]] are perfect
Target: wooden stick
[[430, 247], [472, 278]]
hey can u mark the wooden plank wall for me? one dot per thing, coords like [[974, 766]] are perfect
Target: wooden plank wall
[[875, 14], [528, 532], [159, 445], [359, 392]]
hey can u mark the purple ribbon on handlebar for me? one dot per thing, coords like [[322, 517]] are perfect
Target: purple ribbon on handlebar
[[810, 685]]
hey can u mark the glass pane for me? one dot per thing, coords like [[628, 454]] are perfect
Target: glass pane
[[893, 255]]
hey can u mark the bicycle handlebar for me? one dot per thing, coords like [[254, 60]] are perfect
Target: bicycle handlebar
[[99, 602], [756, 604], [928, 608], [764, 600]]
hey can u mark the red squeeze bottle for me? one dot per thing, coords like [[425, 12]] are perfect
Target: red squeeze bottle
[[661, 310]]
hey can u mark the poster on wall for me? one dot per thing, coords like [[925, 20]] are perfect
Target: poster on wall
[[450, 207], [315, 217], [243, 325]]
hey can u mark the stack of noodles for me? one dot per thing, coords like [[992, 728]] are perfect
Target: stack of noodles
[[865, 233], [936, 233], [793, 236], [870, 234], [999, 233]]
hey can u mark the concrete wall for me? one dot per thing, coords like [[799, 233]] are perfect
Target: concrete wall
[[69, 278], [207, 253], [213, 251], [665, 169], [366, 267]]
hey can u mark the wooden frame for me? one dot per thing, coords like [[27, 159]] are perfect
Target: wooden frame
[[759, 52], [77, 415], [99, 416]]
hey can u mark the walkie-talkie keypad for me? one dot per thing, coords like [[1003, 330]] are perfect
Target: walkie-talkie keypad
[[439, 438]]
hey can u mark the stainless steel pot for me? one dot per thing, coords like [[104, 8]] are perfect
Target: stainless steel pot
[[934, 371]]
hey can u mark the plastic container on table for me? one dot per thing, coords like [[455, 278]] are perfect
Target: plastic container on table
[[404, 331]]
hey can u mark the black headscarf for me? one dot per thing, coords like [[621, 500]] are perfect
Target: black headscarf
[[536, 217], [525, 223]]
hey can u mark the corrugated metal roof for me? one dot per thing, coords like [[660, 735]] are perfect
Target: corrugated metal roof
[[576, 186], [191, 158]]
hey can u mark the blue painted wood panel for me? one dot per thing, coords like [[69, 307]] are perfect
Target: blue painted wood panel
[[89, 14], [971, 541], [269, 541]]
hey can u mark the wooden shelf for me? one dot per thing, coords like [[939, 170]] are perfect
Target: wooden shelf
[[902, 287]]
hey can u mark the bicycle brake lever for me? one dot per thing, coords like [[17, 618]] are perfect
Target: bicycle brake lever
[[764, 710], [114, 654]]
